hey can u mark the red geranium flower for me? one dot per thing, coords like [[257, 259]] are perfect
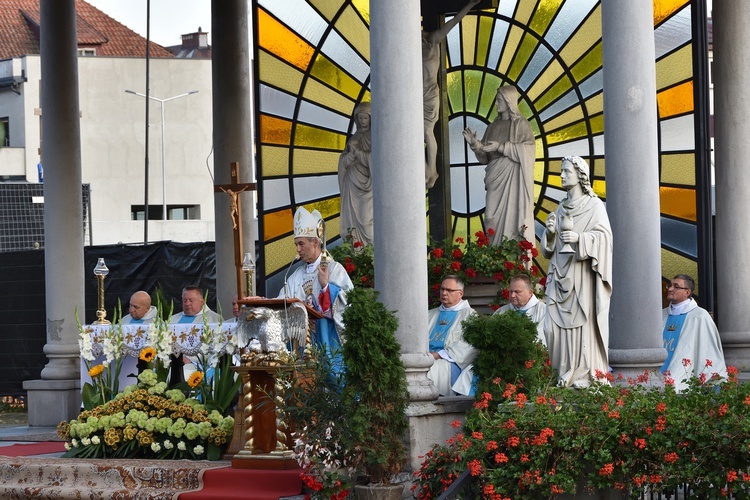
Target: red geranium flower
[[437, 253]]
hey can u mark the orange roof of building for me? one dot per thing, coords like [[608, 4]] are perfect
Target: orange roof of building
[[19, 32]]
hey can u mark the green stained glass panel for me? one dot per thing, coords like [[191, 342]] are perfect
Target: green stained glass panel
[[473, 81], [525, 51], [590, 63], [544, 14], [455, 91]]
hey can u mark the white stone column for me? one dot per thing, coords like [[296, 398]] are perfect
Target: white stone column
[[632, 175], [732, 150], [398, 181], [57, 396], [232, 137]]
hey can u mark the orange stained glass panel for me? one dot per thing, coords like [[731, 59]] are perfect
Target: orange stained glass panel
[[326, 71], [665, 8], [277, 223], [305, 135], [676, 100], [275, 161], [275, 130], [280, 40], [678, 202]]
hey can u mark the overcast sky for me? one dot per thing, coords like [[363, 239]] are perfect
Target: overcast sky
[[170, 19]]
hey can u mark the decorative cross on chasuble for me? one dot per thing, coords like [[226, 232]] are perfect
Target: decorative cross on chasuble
[[235, 212]]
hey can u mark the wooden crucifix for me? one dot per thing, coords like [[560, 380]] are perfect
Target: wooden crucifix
[[235, 212]]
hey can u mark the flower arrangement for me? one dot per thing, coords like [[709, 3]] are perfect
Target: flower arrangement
[[480, 257], [628, 437], [357, 259], [147, 421], [105, 375]]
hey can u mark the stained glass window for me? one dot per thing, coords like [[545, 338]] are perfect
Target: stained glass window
[[312, 68]]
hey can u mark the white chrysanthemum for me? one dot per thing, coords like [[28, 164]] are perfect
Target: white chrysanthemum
[[95, 440], [155, 447], [198, 450]]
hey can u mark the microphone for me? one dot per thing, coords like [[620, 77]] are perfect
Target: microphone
[[286, 274]]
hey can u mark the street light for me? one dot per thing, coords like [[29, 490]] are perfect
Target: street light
[[163, 158]]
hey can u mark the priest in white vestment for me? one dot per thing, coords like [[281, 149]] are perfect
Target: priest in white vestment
[[451, 352], [321, 284], [194, 309], [578, 243], [690, 337], [140, 310]]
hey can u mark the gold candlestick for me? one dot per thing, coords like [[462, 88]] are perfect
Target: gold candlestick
[[100, 271], [248, 267]]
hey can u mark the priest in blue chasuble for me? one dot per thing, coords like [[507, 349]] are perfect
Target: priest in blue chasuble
[[451, 352], [690, 337]]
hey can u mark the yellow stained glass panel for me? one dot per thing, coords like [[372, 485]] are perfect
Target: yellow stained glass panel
[[558, 89], [275, 161], [354, 31], [545, 12], [489, 92], [676, 100], [275, 130], [468, 38], [598, 167], [281, 41], [548, 206], [329, 73], [279, 254], [306, 135], [277, 223], [279, 74], [678, 169], [675, 68], [363, 6], [525, 9], [539, 172], [328, 8], [665, 8], [327, 208], [510, 48], [678, 202], [600, 188], [567, 133], [315, 91], [590, 63], [312, 161], [554, 180], [485, 34], [473, 86], [546, 79], [595, 104], [572, 115], [528, 45], [673, 264], [590, 30]]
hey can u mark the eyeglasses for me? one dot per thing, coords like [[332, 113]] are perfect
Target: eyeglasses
[[672, 285], [450, 290]]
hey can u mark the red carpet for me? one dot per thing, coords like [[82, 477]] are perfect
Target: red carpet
[[247, 484], [25, 450]]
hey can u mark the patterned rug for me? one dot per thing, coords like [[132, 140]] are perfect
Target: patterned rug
[[61, 478]]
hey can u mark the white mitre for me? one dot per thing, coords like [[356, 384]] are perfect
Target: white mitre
[[306, 223]]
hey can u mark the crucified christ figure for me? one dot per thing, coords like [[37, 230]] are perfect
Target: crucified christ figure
[[234, 203]]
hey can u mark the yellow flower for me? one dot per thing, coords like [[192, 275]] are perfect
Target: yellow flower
[[147, 354], [195, 379], [96, 370]]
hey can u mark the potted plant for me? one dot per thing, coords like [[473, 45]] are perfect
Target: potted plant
[[375, 393]]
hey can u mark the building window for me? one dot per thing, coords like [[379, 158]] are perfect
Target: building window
[[4, 133], [89, 52], [174, 212]]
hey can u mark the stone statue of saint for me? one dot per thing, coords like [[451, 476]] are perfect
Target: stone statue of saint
[[507, 149], [579, 281], [355, 182], [431, 93]]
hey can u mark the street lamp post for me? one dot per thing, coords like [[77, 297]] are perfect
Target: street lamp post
[[163, 150]]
